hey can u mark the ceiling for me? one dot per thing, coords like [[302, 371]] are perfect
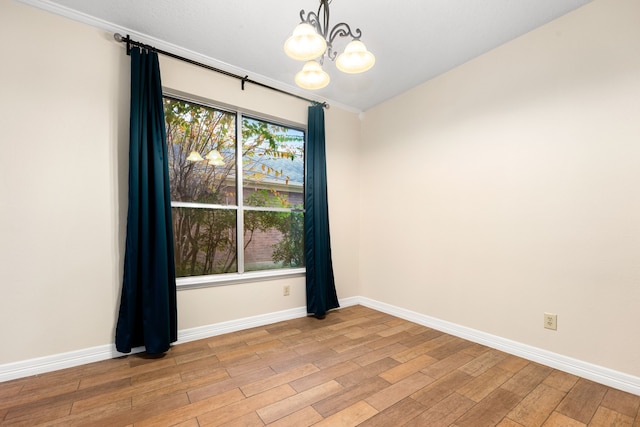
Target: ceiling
[[413, 40]]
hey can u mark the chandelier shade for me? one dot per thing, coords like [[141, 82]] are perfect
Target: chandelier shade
[[355, 58], [313, 41], [305, 43], [312, 76]]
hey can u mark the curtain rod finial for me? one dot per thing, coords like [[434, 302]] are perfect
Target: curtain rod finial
[[118, 37]]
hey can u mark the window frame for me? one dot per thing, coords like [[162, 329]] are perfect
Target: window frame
[[222, 279]]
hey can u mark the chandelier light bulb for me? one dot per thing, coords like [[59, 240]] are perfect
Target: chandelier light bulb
[[305, 43], [312, 76], [355, 58]]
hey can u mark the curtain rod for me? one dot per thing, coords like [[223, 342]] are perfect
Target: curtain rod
[[119, 38]]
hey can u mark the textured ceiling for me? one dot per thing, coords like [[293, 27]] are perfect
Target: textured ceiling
[[413, 40]]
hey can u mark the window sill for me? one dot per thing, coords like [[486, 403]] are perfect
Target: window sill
[[184, 283]]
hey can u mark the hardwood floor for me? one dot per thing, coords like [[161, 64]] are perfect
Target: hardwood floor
[[356, 367]]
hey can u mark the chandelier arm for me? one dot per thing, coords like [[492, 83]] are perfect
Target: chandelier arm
[[313, 20], [320, 21], [322, 26], [330, 53], [340, 30], [343, 30]]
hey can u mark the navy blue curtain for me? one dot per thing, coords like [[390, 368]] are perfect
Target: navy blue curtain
[[321, 288], [148, 313]]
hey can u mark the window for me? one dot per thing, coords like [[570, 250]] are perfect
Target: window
[[237, 191]]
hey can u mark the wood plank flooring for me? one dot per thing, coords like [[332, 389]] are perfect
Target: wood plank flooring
[[356, 367]]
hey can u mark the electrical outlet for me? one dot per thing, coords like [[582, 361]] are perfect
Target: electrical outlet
[[286, 290], [551, 321]]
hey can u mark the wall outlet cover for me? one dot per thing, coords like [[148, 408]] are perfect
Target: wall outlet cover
[[551, 321]]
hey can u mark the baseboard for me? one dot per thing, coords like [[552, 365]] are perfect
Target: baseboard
[[70, 359], [602, 375], [599, 374], [207, 331], [41, 365]]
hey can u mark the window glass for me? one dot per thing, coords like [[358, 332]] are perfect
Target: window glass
[[273, 165], [273, 240], [215, 232], [195, 130], [205, 241]]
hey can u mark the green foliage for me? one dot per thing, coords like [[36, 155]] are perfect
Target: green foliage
[[205, 241], [290, 249]]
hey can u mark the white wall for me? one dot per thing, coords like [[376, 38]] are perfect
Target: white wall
[[510, 186], [63, 184]]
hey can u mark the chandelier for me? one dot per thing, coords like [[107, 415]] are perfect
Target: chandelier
[[312, 41]]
